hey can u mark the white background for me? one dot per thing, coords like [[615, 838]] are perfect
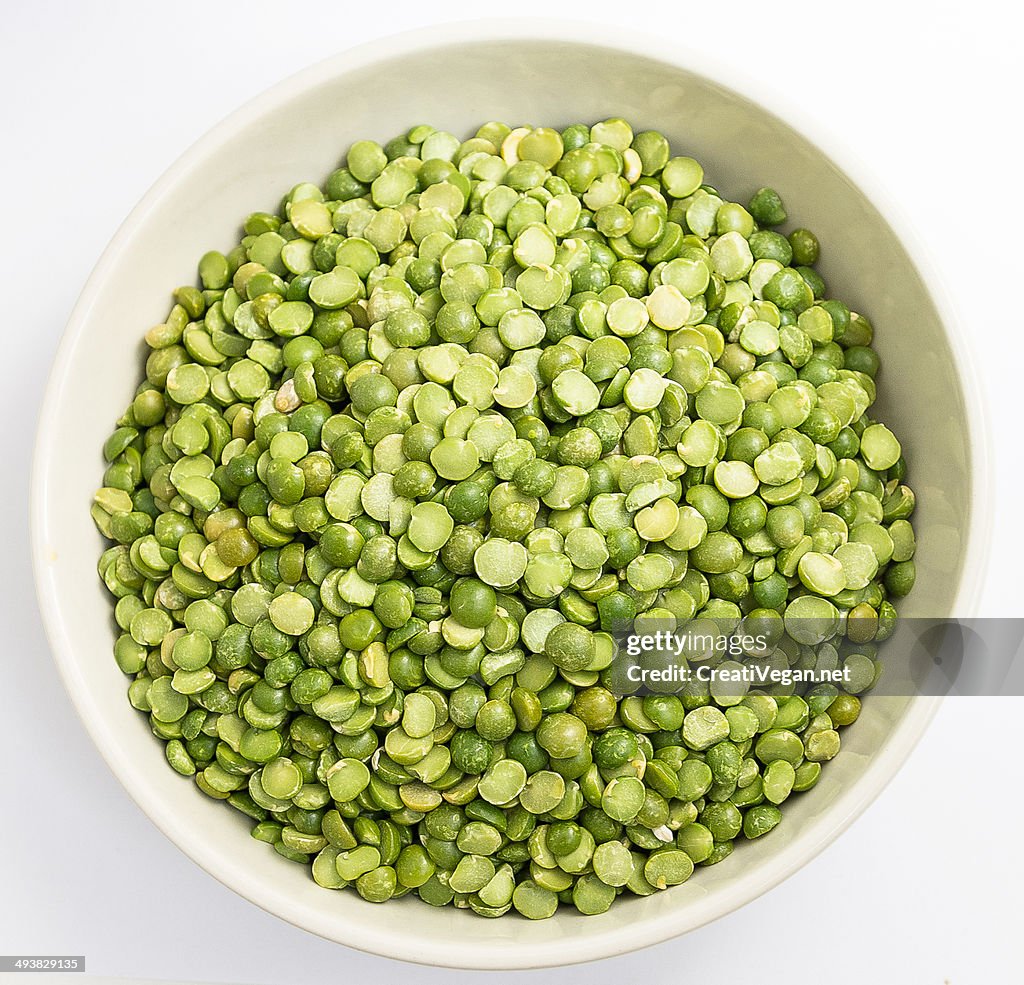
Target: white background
[[99, 98]]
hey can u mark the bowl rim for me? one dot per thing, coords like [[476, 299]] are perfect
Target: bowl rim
[[631, 935]]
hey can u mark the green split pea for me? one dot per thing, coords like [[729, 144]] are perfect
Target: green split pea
[[411, 450]]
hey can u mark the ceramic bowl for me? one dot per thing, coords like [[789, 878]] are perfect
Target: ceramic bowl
[[456, 77]]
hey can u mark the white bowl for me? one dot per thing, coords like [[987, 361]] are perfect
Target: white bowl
[[457, 77]]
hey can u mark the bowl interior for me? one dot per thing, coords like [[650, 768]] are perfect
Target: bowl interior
[[299, 131]]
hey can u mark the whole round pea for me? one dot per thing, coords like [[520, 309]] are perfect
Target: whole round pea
[[358, 629], [393, 604], [466, 501], [562, 735], [473, 603], [495, 720], [615, 747], [570, 646], [471, 753], [595, 707]]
